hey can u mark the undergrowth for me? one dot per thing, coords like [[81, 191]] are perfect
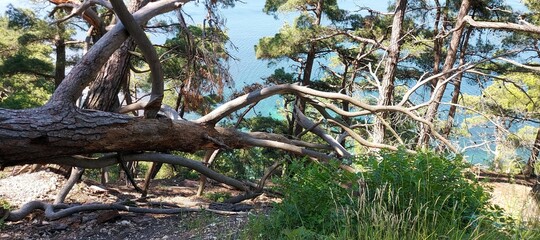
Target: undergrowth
[[5, 207], [395, 196]]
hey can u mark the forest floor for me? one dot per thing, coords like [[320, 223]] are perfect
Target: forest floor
[[43, 185], [111, 224]]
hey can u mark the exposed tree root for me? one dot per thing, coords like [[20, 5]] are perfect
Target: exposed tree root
[[76, 173], [243, 197], [54, 212]]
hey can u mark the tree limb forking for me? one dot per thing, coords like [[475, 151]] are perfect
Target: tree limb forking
[[528, 28], [149, 52], [308, 124], [88, 67]]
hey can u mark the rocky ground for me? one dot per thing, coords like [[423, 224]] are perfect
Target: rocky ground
[[111, 224]]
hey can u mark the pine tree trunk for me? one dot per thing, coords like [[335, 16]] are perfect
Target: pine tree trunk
[[53, 131], [386, 90], [457, 86], [529, 168], [308, 66], [451, 56]]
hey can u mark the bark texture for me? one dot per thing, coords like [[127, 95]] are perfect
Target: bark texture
[[386, 90], [531, 163], [451, 56], [37, 135]]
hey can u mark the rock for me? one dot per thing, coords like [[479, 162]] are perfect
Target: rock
[[97, 189], [124, 223], [89, 217], [107, 216], [59, 226]]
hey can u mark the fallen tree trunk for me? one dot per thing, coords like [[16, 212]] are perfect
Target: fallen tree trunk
[[36, 135], [492, 176]]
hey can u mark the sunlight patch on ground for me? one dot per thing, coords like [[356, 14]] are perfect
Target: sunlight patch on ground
[[515, 200]]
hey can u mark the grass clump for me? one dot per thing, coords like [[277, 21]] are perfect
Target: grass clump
[[397, 195], [5, 207], [218, 196]]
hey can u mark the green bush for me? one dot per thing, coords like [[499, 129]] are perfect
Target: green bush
[[425, 180], [312, 192], [396, 196], [218, 196], [5, 207]]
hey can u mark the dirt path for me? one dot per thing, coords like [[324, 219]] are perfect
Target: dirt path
[[43, 185]]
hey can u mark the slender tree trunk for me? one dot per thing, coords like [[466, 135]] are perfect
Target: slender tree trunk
[[530, 167], [386, 90], [308, 65], [60, 67], [209, 158], [457, 85], [345, 90], [448, 65], [437, 45], [103, 93], [500, 148], [150, 174]]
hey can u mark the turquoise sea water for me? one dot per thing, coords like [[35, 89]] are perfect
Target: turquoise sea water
[[246, 24]]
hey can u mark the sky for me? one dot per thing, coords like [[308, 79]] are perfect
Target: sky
[[377, 4]]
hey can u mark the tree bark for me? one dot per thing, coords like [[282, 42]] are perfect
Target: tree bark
[[36, 135], [103, 92], [307, 66], [386, 91], [457, 86], [448, 65], [437, 45], [530, 167], [60, 66]]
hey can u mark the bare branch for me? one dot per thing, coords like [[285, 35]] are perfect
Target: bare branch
[[536, 69], [365, 142], [111, 159], [149, 52], [374, 42], [88, 67], [503, 26], [308, 124], [287, 147], [83, 10], [240, 102], [282, 139]]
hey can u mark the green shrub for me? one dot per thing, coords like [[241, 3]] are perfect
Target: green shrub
[[426, 180], [218, 196], [309, 208], [396, 196], [5, 207]]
